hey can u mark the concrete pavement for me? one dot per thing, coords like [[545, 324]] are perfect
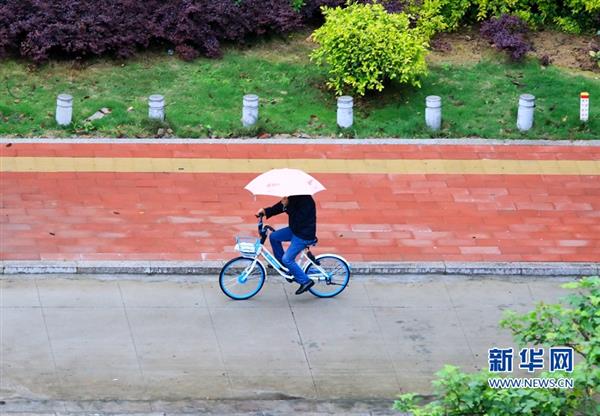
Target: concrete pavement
[[74, 343]]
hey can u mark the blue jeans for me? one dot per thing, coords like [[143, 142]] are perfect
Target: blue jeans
[[288, 259]]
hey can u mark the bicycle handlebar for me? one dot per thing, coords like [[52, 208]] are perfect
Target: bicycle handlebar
[[262, 229]]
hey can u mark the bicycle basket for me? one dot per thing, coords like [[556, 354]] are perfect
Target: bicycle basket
[[247, 245]]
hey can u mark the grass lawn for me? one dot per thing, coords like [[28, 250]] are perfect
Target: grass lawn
[[204, 97]]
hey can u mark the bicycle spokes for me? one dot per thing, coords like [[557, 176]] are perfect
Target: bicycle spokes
[[331, 276]]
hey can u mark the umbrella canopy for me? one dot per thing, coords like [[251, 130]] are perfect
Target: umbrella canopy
[[284, 182]]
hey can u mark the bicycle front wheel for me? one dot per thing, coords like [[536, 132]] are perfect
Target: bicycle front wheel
[[239, 280], [335, 279]]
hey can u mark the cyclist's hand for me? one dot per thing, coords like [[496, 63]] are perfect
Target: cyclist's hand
[[260, 212]]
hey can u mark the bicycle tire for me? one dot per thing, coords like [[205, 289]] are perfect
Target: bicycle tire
[[227, 283]]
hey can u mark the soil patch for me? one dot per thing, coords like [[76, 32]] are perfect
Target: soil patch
[[293, 48], [565, 50], [468, 47]]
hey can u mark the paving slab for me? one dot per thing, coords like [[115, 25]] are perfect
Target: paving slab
[[465, 294], [84, 339], [24, 294], [25, 346], [258, 338], [61, 293], [162, 295], [174, 339], [346, 339], [429, 294]]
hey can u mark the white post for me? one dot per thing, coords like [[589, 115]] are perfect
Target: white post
[[249, 110], [64, 109], [525, 113], [344, 111], [584, 106], [156, 107], [433, 112]]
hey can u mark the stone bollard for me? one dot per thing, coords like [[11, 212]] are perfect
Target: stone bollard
[[249, 110], [64, 109], [344, 111], [525, 113], [156, 107], [433, 112]]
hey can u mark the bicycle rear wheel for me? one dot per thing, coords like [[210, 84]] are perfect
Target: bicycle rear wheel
[[334, 281], [238, 281]]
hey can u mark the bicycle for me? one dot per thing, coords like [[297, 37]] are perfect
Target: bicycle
[[244, 276]]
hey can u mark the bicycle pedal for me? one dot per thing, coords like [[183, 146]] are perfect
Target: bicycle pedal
[[290, 279]]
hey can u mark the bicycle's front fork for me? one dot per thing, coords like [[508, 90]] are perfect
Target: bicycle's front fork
[[243, 276]]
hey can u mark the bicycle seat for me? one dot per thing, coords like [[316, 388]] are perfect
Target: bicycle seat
[[314, 243]]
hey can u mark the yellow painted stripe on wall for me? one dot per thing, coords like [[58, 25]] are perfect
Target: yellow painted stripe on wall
[[396, 166]]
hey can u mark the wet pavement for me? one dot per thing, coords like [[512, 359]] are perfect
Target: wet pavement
[[75, 343]]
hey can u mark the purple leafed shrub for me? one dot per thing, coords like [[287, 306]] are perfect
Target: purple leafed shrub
[[204, 24], [508, 33], [43, 29], [187, 52], [39, 29]]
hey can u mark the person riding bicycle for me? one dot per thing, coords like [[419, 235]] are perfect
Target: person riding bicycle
[[301, 232]]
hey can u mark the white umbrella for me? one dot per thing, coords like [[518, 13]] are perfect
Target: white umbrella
[[284, 182]]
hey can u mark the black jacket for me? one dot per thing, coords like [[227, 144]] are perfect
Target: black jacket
[[302, 215]]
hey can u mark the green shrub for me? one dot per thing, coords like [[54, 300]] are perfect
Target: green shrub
[[363, 46], [469, 394], [433, 16], [577, 326], [297, 4], [454, 11], [451, 12], [571, 16], [582, 15]]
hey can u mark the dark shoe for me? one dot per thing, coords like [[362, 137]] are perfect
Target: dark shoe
[[304, 287]]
